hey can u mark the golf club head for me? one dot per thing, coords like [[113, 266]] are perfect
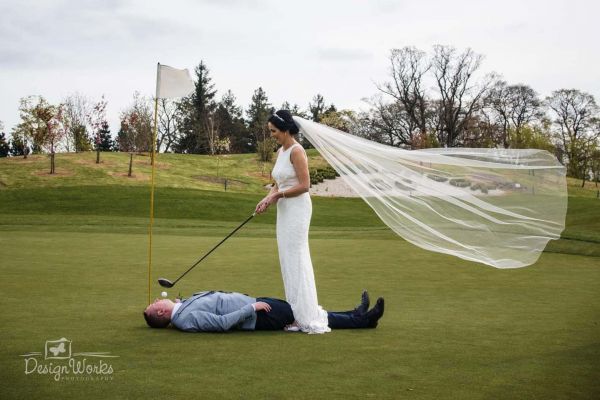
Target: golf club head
[[165, 282]]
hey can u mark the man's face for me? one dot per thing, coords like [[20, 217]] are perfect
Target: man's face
[[159, 307]]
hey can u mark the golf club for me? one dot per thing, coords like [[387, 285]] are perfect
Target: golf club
[[168, 284]]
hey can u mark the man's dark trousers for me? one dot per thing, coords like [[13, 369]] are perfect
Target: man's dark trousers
[[281, 315]]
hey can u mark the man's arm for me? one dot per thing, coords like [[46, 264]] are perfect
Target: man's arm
[[202, 321]]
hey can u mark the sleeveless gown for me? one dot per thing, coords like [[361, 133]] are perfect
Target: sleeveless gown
[[293, 221]]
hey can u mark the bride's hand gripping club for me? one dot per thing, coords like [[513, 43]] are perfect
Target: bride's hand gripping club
[[264, 204]]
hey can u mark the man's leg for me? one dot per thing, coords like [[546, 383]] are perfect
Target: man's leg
[[357, 320], [347, 320], [280, 315]]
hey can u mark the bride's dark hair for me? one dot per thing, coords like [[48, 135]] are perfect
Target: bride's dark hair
[[283, 120]]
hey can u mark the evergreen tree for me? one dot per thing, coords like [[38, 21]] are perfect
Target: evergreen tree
[[122, 142], [294, 109], [106, 142], [317, 108], [232, 125], [18, 145], [196, 123], [81, 138], [258, 115], [4, 146]]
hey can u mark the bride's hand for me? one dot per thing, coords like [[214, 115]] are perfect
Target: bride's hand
[[262, 206], [266, 202]]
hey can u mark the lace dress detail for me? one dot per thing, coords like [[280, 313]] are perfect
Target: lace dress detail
[[293, 222]]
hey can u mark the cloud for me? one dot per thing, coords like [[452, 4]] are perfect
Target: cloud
[[343, 54], [235, 3], [81, 33]]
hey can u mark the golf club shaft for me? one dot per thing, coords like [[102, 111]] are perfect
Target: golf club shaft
[[207, 254]]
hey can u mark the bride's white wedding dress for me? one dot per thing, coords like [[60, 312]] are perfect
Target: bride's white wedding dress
[[293, 221]]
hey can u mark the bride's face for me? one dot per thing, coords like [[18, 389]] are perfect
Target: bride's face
[[276, 133]]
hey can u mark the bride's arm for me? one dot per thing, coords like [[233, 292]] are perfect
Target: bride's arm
[[274, 188], [268, 199]]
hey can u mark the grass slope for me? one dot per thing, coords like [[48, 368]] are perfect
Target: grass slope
[[243, 171]]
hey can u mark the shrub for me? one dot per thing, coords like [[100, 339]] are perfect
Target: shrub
[[437, 178], [460, 182]]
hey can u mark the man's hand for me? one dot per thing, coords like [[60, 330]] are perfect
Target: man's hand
[[261, 305]]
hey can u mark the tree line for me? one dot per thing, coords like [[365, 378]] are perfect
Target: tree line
[[439, 98], [436, 99]]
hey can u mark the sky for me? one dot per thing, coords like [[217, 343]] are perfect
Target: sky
[[292, 49]]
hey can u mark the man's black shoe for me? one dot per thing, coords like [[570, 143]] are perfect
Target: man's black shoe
[[376, 313], [363, 307]]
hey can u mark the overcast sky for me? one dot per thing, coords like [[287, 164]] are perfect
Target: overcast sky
[[293, 49]]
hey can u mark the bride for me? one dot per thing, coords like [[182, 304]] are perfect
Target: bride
[[294, 210]]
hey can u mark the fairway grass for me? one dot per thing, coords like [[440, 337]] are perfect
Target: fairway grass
[[74, 265], [452, 329]]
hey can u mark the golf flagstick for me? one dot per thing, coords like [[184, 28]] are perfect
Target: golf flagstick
[[153, 162], [170, 83]]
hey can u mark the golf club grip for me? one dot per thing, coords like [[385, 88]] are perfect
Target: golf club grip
[[207, 254]]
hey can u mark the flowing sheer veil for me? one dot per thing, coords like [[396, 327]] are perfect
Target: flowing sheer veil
[[499, 207]]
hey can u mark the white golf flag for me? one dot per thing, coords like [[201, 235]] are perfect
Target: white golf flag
[[172, 82]]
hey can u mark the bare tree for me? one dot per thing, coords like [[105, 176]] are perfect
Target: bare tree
[[363, 127], [168, 124], [409, 66], [460, 96], [576, 114], [96, 118], [480, 131], [526, 108], [595, 163], [75, 117], [55, 132], [212, 133], [498, 102], [515, 106], [391, 123]]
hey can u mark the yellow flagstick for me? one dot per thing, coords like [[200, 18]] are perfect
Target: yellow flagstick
[[153, 161]]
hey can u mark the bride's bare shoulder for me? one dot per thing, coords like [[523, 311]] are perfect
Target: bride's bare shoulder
[[298, 153]]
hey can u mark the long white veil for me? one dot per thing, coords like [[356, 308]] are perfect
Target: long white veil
[[494, 206]]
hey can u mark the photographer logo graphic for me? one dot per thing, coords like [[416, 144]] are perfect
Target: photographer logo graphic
[[58, 349], [68, 366]]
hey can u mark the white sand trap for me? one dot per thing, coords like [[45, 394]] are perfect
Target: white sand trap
[[333, 188], [338, 188]]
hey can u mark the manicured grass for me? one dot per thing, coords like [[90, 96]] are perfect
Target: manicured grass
[[452, 329], [74, 265]]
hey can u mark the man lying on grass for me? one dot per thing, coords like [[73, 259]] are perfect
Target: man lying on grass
[[223, 311]]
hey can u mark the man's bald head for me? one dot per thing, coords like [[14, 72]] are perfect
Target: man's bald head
[[158, 314]]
